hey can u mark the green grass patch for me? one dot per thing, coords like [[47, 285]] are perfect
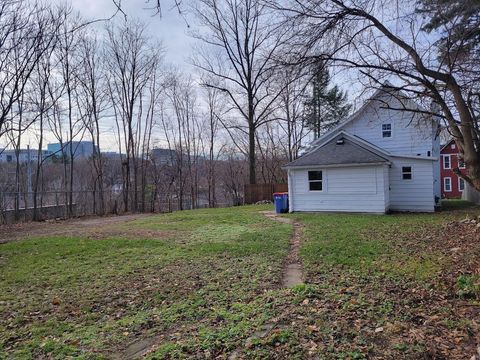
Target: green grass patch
[[365, 244], [81, 297], [205, 283]]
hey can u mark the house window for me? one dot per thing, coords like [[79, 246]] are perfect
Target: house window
[[315, 180], [461, 184], [446, 162], [461, 163], [386, 130], [406, 172], [447, 184], [452, 146], [9, 158]]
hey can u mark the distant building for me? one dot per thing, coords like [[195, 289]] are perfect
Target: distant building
[[81, 149], [452, 185], [10, 155], [111, 155], [163, 156]]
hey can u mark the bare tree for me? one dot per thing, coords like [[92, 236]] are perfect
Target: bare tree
[[131, 63], [186, 137], [27, 31], [240, 40], [69, 41], [42, 104], [233, 174], [216, 110], [92, 96], [291, 109]]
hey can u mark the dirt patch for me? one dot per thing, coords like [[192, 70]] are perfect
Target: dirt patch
[[88, 226], [293, 269], [139, 348]]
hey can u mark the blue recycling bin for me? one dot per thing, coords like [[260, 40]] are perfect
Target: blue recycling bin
[[280, 199]]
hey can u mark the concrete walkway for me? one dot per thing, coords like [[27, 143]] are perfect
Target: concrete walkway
[[293, 269]]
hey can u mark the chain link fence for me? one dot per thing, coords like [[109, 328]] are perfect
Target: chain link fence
[[20, 206]]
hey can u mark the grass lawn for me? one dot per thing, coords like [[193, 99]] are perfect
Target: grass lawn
[[206, 284]]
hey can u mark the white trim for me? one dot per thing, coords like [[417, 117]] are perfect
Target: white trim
[[445, 183], [323, 181], [460, 180], [290, 191], [411, 172], [449, 161], [445, 145], [458, 162], [312, 167], [391, 130], [431, 158]]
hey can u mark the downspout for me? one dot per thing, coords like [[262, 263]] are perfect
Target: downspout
[[290, 192]]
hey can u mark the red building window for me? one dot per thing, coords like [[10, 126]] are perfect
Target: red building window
[[447, 162], [447, 184]]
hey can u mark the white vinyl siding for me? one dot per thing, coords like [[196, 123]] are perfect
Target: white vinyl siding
[[447, 184], [411, 135], [416, 194], [355, 188]]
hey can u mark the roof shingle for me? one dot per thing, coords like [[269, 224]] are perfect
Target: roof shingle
[[344, 152]]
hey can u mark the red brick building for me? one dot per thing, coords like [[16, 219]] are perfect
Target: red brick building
[[452, 185]]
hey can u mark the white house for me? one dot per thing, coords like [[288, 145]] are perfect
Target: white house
[[381, 158]]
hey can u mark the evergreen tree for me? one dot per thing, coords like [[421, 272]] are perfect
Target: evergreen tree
[[457, 21], [326, 107]]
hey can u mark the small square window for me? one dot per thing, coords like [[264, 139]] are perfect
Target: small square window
[[406, 172], [453, 146], [315, 180], [386, 130]]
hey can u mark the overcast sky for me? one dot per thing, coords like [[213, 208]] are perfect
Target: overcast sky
[[171, 27]]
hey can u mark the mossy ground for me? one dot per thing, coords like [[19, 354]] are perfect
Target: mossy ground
[[202, 283]]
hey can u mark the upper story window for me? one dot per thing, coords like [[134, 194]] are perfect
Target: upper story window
[[461, 163], [447, 164], [452, 146], [315, 180], [386, 130], [406, 172]]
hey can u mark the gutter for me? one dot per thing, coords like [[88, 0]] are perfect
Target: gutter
[[431, 158], [302, 167]]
